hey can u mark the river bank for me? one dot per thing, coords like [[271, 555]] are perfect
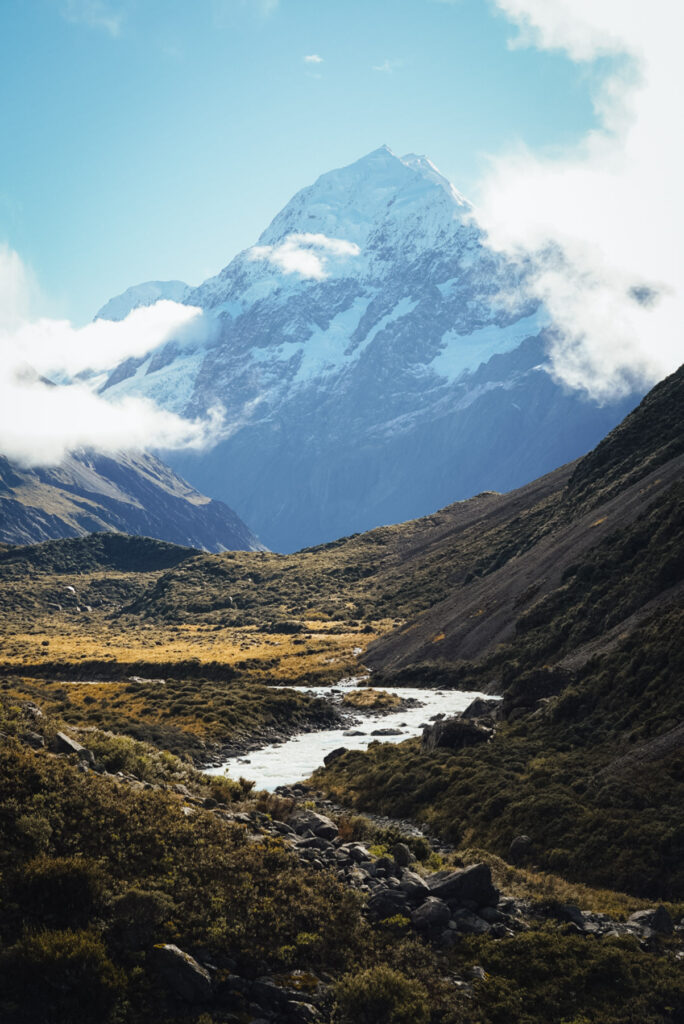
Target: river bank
[[284, 762]]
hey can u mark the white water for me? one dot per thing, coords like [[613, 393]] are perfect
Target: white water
[[282, 764]]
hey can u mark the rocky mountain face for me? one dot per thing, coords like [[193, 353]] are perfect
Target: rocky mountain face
[[134, 494], [574, 564], [374, 358]]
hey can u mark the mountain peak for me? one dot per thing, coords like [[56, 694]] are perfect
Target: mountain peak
[[349, 201], [425, 167]]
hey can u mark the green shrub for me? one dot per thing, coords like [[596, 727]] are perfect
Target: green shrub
[[60, 977], [137, 916], [59, 892], [380, 995]]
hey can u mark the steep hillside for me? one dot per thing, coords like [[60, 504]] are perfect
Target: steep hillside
[[375, 359], [577, 620], [603, 548], [135, 494]]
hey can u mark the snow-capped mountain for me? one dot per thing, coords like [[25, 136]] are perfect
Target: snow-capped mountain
[[375, 360], [142, 295]]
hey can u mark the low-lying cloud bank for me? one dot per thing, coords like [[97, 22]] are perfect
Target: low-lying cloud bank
[[40, 422], [603, 223]]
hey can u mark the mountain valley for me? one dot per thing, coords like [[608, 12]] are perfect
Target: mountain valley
[[562, 598]]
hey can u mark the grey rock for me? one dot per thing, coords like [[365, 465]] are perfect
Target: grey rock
[[448, 938], [63, 744], [473, 883], [304, 1012], [32, 739], [480, 707], [388, 865], [182, 974], [402, 855], [268, 995], [471, 924], [413, 884], [491, 915], [137, 494], [454, 734], [569, 912], [519, 849], [386, 732], [359, 852], [284, 828], [658, 919], [315, 843], [432, 914], [333, 755], [386, 903], [305, 820]]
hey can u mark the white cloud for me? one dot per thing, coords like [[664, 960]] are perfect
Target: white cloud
[[313, 58], [56, 347], [94, 14], [305, 254], [387, 66], [603, 223], [40, 422]]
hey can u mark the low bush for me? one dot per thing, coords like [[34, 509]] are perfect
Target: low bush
[[60, 977], [380, 995]]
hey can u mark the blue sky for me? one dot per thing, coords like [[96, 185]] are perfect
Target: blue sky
[[155, 138]]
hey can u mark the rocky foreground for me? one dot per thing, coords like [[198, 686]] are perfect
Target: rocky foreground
[[443, 907]]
